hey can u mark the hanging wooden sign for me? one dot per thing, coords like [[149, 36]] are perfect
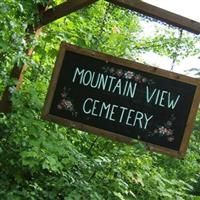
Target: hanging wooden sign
[[122, 100]]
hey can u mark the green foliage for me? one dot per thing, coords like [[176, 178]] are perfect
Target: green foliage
[[41, 160]]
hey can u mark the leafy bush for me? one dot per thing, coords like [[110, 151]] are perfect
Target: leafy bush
[[41, 160]]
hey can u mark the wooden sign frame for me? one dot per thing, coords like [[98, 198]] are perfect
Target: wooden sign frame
[[133, 65]]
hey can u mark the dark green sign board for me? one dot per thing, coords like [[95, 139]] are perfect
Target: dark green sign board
[[122, 100]]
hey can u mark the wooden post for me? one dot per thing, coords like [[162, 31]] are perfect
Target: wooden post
[[47, 16]]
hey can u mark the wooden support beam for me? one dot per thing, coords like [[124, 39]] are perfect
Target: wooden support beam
[[160, 14], [63, 9]]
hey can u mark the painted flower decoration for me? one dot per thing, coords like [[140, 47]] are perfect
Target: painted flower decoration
[[138, 78], [119, 73], [129, 75], [162, 130], [66, 103], [165, 130], [169, 123], [171, 139], [151, 82], [144, 80], [59, 107], [112, 70], [169, 132], [64, 94]]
